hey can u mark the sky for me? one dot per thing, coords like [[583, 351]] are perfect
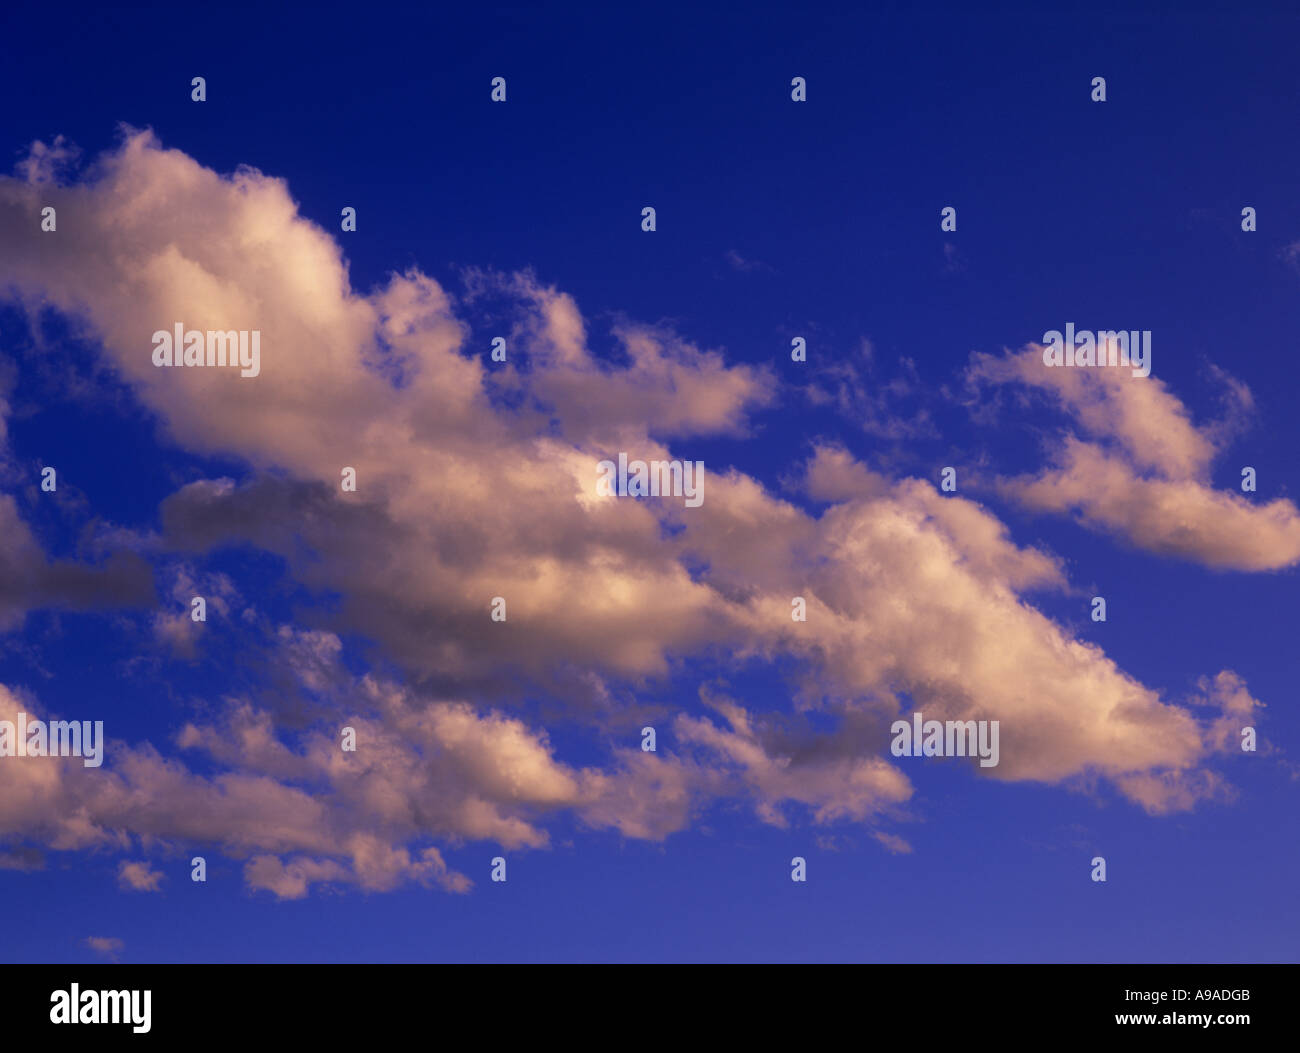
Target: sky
[[774, 220]]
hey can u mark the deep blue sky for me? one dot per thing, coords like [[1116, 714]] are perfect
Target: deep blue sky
[[1126, 212]]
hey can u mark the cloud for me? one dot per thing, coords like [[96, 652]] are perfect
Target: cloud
[[1142, 471], [666, 387], [138, 877], [109, 946], [29, 580], [24, 859], [477, 481], [1290, 254], [45, 164], [740, 263], [891, 409], [174, 626], [893, 843], [826, 774], [316, 813]]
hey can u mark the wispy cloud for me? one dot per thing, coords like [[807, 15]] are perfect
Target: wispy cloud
[[747, 266], [108, 946], [1142, 469]]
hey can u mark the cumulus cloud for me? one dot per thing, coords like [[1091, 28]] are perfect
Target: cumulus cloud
[[1141, 471], [827, 774], [475, 482], [30, 580], [310, 812], [138, 876]]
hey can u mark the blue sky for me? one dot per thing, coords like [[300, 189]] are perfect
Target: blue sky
[[774, 220]]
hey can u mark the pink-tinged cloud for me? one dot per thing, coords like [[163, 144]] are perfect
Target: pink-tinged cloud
[[1142, 472], [138, 876], [475, 482], [108, 946]]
